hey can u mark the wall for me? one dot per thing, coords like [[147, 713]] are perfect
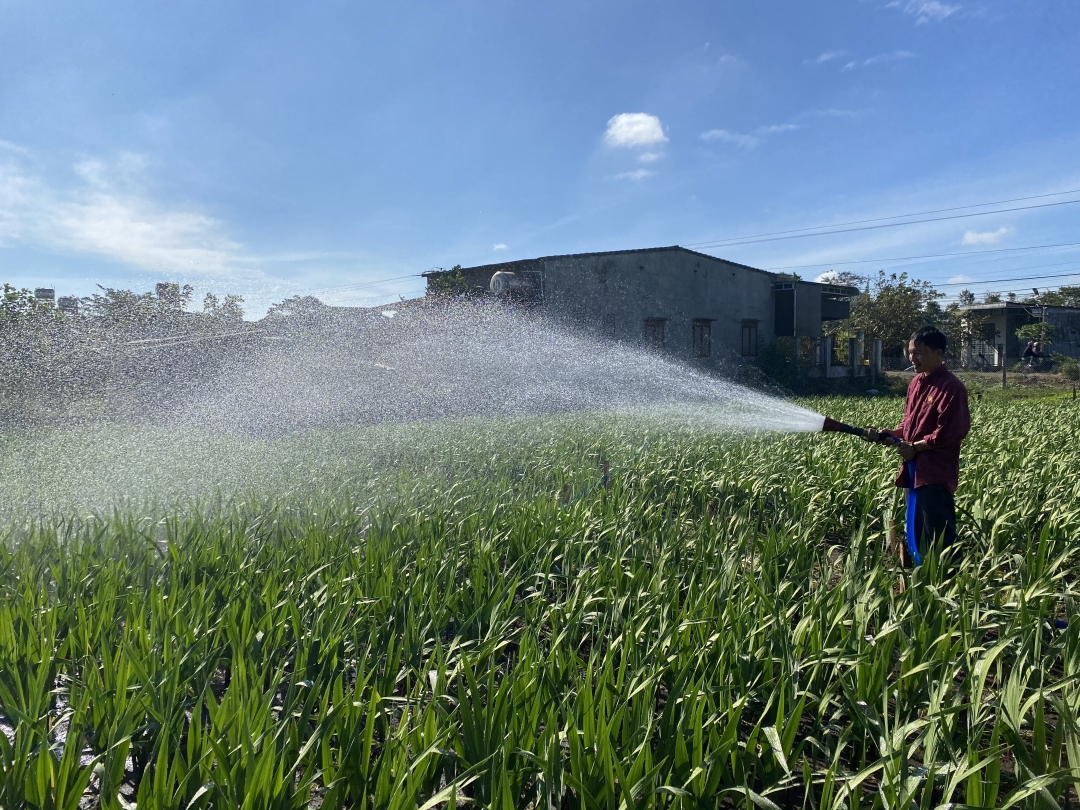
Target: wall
[[1067, 320], [613, 294]]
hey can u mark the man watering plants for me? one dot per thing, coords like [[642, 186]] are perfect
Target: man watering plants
[[936, 420]]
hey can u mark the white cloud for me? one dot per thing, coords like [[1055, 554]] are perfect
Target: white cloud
[[747, 141], [636, 174], [835, 113], [961, 279], [634, 129], [985, 237], [14, 147], [107, 215], [500, 246], [892, 56], [828, 56], [743, 141], [649, 157], [926, 10], [775, 129]]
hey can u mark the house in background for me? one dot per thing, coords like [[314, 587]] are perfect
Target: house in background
[[691, 305], [1008, 316]]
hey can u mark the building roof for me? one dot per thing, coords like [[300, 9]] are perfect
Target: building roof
[[1015, 305], [846, 290], [997, 305], [606, 253]]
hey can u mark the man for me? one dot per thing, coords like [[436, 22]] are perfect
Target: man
[[936, 420], [1029, 353]]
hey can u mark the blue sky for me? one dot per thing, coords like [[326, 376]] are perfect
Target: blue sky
[[280, 148]]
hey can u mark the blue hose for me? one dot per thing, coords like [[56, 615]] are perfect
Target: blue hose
[[912, 540]]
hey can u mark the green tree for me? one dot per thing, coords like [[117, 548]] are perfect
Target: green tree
[[892, 307], [778, 362], [125, 308], [1041, 331], [1061, 297], [963, 327], [16, 302], [845, 278], [228, 309], [298, 306], [451, 283]]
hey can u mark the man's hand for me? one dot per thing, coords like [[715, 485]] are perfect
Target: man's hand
[[909, 451], [884, 436]]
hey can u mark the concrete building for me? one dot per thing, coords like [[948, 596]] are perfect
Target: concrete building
[[1008, 316], [691, 305]]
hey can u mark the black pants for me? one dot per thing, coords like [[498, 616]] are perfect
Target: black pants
[[935, 518]]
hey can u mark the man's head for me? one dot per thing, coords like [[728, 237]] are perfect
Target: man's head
[[925, 349]]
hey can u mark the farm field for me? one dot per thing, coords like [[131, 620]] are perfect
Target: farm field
[[464, 615]]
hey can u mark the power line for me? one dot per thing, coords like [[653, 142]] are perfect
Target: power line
[[927, 256], [1009, 278], [754, 241], [346, 287], [898, 216], [1012, 278]]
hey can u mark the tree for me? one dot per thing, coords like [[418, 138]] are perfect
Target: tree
[[451, 283], [1061, 297], [298, 306], [991, 298], [125, 308], [964, 327], [844, 278], [966, 298], [1070, 296], [1041, 331], [892, 308], [229, 309], [17, 302]]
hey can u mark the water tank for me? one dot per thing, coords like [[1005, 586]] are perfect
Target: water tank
[[504, 281], [45, 294], [68, 304]]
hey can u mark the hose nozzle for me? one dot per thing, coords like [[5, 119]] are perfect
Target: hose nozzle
[[867, 434]]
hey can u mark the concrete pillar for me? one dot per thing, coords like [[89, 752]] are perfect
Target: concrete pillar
[[860, 345], [826, 353], [852, 357], [875, 361]]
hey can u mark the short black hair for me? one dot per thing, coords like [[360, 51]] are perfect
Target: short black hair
[[931, 337]]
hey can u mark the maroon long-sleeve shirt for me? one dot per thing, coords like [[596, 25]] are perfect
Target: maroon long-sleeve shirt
[[937, 413]]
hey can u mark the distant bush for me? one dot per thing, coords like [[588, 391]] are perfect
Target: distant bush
[[778, 363]]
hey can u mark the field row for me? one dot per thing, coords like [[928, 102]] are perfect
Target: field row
[[718, 625]]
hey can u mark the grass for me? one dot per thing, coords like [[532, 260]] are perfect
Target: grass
[[459, 615]]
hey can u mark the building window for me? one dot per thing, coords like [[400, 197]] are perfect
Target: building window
[[654, 333], [701, 334], [749, 338]]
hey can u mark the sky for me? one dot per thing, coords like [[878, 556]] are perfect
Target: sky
[[341, 149]]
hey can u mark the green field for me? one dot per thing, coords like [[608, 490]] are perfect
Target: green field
[[459, 615]]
